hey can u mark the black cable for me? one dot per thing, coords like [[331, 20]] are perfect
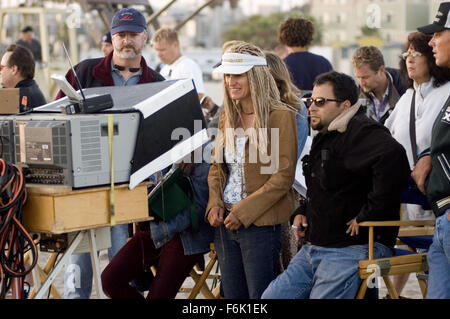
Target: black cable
[[15, 241]]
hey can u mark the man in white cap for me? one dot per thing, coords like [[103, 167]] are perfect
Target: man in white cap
[[123, 66], [432, 172]]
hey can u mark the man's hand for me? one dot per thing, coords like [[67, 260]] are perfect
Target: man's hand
[[186, 167], [299, 227], [232, 223], [421, 171], [353, 227], [215, 216], [207, 103]]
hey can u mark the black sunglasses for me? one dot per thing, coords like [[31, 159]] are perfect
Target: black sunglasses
[[319, 101]]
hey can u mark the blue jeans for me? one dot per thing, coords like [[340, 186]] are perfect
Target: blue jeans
[[248, 259], [302, 129], [78, 273], [439, 260], [323, 273]]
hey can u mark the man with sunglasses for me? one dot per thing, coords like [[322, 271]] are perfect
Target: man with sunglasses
[[354, 172], [380, 87], [17, 71]]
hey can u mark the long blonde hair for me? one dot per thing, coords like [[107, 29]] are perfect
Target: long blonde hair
[[265, 98], [289, 93]]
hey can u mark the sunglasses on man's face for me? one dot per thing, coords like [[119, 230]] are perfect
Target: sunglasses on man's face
[[318, 101]]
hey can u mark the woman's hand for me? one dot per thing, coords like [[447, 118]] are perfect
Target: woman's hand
[[232, 223], [215, 216]]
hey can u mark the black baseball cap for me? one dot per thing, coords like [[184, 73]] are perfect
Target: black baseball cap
[[27, 29], [128, 19], [107, 37], [441, 22]]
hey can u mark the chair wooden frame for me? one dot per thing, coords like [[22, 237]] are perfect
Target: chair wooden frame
[[384, 267], [199, 277]]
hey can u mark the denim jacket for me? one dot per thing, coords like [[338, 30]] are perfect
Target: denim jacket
[[194, 242], [302, 129]]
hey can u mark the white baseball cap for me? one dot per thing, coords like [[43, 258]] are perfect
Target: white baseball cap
[[238, 63]]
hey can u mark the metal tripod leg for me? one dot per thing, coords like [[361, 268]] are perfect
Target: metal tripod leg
[[95, 263], [64, 260]]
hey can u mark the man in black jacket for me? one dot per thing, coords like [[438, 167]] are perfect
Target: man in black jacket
[[434, 167], [123, 66], [17, 71], [380, 87], [355, 172]]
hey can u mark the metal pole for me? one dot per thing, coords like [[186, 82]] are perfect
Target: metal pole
[[155, 15], [179, 26]]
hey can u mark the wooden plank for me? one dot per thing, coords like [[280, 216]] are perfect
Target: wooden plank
[[71, 210], [397, 260], [394, 270], [80, 210], [398, 223], [47, 189], [390, 287], [10, 101], [59, 190], [39, 213], [416, 231]]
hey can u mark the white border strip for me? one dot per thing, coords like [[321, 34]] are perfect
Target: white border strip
[[156, 102], [175, 154]]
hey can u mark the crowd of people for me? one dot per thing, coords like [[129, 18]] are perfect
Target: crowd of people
[[371, 138]]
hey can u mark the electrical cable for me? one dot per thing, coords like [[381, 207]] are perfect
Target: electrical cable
[[15, 241]]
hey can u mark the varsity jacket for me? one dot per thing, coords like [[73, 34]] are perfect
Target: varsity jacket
[[438, 183]]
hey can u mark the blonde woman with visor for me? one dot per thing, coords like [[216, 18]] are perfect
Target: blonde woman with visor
[[252, 172]]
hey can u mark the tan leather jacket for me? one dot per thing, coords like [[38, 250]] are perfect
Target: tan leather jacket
[[270, 197]]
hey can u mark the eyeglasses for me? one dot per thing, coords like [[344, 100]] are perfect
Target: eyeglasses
[[318, 101], [413, 54]]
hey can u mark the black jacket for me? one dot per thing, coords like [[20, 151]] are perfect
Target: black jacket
[[30, 95], [355, 170], [438, 183]]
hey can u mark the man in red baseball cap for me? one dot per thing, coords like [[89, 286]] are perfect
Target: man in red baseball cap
[[125, 65]]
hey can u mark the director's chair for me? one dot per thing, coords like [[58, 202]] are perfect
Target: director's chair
[[403, 262]]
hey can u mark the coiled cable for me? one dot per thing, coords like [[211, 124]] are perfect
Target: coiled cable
[[15, 241]]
